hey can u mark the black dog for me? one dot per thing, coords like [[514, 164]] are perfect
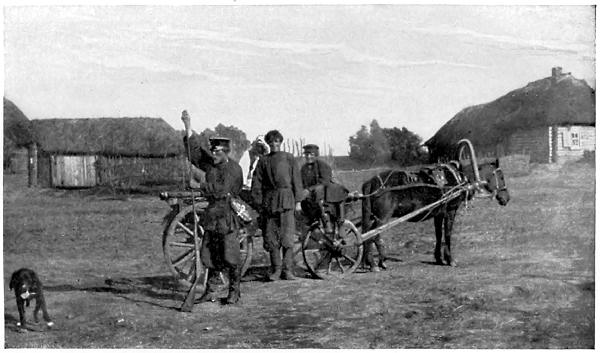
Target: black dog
[[28, 286]]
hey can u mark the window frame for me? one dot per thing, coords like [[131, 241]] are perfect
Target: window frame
[[575, 139]]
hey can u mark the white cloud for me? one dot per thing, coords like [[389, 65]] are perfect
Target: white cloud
[[499, 39], [352, 55], [289, 47]]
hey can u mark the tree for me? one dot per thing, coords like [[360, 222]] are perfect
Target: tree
[[370, 146], [405, 146], [379, 146], [239, 142]]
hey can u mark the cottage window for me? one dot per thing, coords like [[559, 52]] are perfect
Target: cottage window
[[575, 140]]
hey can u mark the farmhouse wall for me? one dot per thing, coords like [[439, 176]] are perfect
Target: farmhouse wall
[[134, 171], [18, 161], [73, 171], [571, 148], [534, 142], [44, 171]]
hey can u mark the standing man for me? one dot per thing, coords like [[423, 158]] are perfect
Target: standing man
[[224, 179], [277, 192]]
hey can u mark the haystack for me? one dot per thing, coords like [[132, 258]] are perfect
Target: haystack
[[17, 127]]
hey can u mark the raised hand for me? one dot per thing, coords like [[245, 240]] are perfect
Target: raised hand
[[186, 120]]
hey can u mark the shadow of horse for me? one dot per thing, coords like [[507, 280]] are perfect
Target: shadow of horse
[[154, 287]]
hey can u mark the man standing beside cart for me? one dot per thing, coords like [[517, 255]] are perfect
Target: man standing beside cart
[[277, 192], [224, 180]]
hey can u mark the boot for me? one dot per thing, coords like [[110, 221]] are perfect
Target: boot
[[382, 253], [276, 265], [209, 294], [288, 259], [234, 284]]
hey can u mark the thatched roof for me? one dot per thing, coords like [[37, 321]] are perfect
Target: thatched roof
[[17, 128], [142, 137], [557, 100]]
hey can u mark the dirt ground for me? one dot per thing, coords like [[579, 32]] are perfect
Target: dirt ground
[[525, 278]]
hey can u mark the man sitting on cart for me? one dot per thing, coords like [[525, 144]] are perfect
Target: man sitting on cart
[[224, 179], [317, 180]]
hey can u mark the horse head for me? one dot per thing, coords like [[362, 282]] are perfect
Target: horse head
[[487, 176], [494, 182]]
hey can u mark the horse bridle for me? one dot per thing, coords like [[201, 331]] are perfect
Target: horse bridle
[[497, 189], [503, 188]]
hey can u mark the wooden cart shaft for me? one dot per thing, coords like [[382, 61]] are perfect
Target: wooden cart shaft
[[374, 232]]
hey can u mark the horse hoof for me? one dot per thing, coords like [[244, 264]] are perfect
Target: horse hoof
[[453, 263]]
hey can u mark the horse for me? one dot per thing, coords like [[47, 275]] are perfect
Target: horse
[[384, 198]]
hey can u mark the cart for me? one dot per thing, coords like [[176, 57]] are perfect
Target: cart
[[178, 235], [327, 253], [339, 252]]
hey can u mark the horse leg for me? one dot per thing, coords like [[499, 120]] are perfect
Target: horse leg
[[448, 224], [368, 254], [382, 253], [437, 221]]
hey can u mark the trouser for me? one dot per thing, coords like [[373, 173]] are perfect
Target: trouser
[[279, 233], [221, 252]]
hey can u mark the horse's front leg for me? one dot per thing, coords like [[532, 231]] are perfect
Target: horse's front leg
[[438, 222], [448, 224]]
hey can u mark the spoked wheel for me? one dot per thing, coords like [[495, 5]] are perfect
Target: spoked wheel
[[178, 246], [332, 255]]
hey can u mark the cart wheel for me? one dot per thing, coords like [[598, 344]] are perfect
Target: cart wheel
[[332, 255], [178, 247]]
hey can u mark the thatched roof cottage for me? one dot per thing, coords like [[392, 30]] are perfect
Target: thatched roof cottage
[[107, 151], [552, 120], [18, 135]]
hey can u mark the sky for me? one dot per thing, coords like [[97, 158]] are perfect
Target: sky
[[313, 72]]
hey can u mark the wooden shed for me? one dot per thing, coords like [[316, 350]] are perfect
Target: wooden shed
[[122, 152], [552, 120]]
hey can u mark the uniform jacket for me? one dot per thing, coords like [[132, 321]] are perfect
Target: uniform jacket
[[315, 173], [276, 184], [222, 181]]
